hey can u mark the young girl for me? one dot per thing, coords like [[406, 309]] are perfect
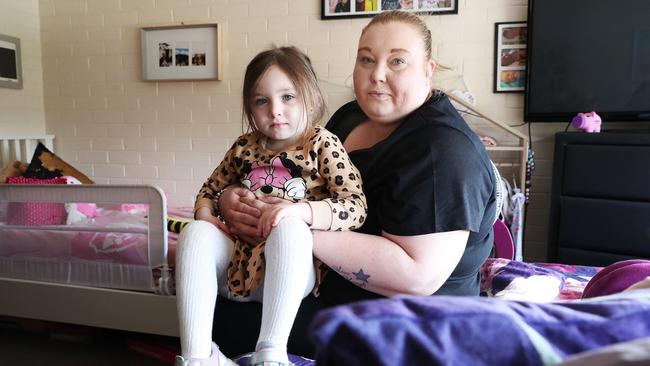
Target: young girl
[[286, 155]]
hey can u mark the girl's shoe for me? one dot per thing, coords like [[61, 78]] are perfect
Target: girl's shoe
[[216, 359], [270, 357]]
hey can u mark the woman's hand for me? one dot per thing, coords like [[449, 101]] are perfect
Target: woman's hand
[[241, 211], [277, 211]]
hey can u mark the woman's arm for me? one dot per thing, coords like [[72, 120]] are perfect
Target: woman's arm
[[392, 265]]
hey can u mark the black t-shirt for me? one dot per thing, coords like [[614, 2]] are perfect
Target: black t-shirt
[[432, 174]]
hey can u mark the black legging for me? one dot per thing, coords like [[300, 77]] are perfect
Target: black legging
[[237, 325]]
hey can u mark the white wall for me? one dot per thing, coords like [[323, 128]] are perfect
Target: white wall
[[21, 110], [119, 129]]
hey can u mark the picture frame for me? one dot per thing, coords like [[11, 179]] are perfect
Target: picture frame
[[11, 74], [345, 9], [510, 54], [181, 52]]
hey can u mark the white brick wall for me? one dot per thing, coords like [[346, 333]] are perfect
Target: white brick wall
[[119, 129]]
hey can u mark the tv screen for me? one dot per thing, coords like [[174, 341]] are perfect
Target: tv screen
[[588, 55]]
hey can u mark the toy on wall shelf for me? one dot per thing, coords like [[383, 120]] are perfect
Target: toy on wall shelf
[[587, 122]]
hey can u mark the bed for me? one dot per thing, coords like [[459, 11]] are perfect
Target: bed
[[77, 275], [110, 271], [83, 286]]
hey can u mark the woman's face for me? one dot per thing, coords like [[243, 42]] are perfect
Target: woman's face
[[391, 73]]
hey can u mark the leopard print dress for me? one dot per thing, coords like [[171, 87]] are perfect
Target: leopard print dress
[[317, 171]]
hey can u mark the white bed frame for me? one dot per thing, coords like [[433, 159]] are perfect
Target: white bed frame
[[21, 147], [147, 312]]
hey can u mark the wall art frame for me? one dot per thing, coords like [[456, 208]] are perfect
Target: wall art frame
[[345, 9], [11, 73], [510, 53], [181, 52]]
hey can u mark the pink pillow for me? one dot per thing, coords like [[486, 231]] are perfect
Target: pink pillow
[[33, 213]]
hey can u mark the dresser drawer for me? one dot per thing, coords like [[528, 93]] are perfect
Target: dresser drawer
[[590, 257], [607, 171], [611, 226]]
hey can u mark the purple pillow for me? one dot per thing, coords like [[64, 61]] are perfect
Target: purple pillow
[[617, 277]]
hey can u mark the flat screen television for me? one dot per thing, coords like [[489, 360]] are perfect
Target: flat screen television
[[588, 55]]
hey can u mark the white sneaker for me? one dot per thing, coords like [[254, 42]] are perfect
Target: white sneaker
[[270, 357], [216, 359]]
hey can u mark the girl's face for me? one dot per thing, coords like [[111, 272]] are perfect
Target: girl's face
[[277, 108], [391, 73]]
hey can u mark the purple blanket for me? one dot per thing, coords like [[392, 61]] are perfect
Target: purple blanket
[[442, 330], [542, 282]]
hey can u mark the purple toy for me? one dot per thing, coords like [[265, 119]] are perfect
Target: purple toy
[[587, 122]]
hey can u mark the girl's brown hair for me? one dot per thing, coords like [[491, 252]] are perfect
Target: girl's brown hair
[[398, 16], [297, 66]]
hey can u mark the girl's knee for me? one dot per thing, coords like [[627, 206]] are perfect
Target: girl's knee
[[289, 232], [293, 224], [199, 228], [201, 234], [202, 244], [194, 227]]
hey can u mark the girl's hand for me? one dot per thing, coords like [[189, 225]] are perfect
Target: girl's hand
[[272, 215]]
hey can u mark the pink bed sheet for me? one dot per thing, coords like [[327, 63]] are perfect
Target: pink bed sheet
[[116, 247], [112, 246]]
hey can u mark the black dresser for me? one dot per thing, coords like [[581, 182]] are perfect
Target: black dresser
[[600, 199]]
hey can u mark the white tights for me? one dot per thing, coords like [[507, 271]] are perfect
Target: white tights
[[202, 258]]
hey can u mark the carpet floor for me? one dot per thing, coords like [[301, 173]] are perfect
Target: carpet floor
[[24, 342]]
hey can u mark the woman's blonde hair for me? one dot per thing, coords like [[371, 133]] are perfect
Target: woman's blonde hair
[[297, 66], [398, 16]]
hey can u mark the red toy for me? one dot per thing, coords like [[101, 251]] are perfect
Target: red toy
[[587, 122]]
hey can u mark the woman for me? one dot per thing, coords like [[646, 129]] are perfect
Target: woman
[[427, 178]]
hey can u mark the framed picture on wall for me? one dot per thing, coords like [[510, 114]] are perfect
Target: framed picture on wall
[[341, 9], [510, 57], [181, 52], [10, 63]]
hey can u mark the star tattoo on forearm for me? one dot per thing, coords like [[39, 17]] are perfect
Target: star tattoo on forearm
[[359, 278]]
